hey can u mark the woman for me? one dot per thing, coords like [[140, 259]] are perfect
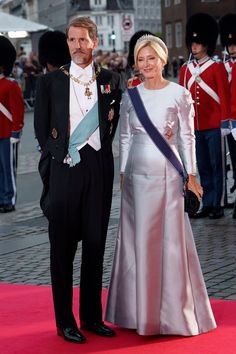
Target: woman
[[132, 74], [157, 285]]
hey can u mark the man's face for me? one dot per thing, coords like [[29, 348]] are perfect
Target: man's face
[[81, 46], [198, 50], [232, 50]]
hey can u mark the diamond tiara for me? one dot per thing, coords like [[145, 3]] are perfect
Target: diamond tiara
[[150, 37]]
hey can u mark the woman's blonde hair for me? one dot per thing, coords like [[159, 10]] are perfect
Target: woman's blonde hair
[[155, 43]]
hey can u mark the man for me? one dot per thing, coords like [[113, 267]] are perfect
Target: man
[[76, 114], [208, 84], [11, 124], [228, 40]]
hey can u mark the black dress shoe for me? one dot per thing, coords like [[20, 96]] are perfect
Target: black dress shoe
[[99, 328], [71, 335], [216, 213], [232, 189], [229, 206], [7, 208], [202, 213]]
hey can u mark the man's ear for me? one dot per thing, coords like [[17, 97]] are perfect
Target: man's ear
[[96, 42]]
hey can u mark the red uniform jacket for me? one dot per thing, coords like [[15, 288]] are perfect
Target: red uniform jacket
[[210, 91], [11, 102]]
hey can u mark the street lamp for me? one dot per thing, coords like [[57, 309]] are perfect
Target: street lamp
[[113, 38]]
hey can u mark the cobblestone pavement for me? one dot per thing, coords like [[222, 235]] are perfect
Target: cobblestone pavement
[[24, 247]]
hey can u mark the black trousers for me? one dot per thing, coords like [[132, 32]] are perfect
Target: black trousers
[[80, 202], [232, 150]]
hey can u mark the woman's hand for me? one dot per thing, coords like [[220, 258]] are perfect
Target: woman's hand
[[194, 186]]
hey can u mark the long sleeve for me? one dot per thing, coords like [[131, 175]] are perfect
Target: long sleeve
[[125, 130], [182, 75], [41, 112], [16, 107], [186, 132], [223, 90]]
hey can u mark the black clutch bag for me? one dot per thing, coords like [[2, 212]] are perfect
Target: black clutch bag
[[191, 202]]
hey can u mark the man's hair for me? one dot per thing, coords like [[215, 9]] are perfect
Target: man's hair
[[84, 22]]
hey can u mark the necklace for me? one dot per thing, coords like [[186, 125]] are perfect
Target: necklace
[[88, 93], [77, 100]]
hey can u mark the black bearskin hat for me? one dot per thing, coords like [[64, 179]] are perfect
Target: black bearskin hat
[[53, 49], [202, 28], [8, 55], [132, 43], [227, 25]]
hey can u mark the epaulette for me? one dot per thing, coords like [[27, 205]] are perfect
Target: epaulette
[[216, 59], [10, 78]]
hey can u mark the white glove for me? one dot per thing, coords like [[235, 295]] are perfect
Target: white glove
[[233, 132], [14, 140], [225, 131]]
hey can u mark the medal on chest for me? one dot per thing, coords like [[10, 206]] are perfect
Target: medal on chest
[[87, 92]]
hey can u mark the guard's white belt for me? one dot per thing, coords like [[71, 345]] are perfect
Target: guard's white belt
[[202, 83], [5, 111]]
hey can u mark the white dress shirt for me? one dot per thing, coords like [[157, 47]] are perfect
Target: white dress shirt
[[81, 104]]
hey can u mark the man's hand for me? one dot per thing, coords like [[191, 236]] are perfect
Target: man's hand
[[14, 140], [224, 132], [15, 137], [233, 132]]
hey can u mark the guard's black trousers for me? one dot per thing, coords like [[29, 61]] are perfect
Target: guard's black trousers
[[80, 202]]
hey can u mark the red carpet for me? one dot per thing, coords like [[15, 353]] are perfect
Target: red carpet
[[27, 327]]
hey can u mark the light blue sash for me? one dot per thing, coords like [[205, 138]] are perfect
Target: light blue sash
[[82, 132]]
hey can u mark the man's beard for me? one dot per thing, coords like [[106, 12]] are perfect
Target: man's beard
[[81, 59]]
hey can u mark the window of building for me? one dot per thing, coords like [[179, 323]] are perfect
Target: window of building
[[167, 3], [177, 2], [139, 11], [178, 34], [101, 39], [97, 2], [110, 21], [169, 35], [110, 42], [98, 20]]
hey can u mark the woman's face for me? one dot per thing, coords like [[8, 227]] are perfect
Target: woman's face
[[149, 63]]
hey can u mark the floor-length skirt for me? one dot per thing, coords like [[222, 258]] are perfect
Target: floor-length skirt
[[157, 286]]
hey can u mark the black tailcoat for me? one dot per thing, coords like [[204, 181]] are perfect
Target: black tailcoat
[[76, 200]]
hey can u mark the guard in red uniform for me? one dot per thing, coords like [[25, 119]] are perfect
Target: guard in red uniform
[[228, 40], [11, 124], [207, 81]]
